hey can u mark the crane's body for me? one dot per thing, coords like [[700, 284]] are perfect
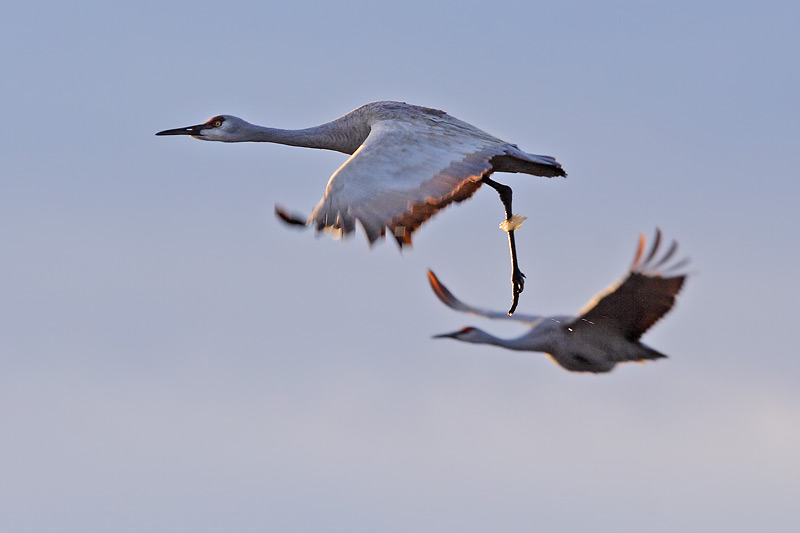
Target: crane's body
[[605, 333], [407, 162], [580, 350]]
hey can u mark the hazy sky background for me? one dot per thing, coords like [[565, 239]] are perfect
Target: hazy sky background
[[174, 359]]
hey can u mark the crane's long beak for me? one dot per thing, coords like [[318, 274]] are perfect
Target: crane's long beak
[[191, 130]]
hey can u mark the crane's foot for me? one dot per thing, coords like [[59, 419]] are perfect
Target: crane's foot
[[517, 286]]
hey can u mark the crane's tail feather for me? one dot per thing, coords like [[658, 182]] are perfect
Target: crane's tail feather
[[515, 160], [547, 160], [647, 353], [289, 218]]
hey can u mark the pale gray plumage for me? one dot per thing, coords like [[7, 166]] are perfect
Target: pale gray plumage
[[407, 163], [605, 332]]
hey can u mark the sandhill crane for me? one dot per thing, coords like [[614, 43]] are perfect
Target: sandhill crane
[[605, 332], [407, 162]]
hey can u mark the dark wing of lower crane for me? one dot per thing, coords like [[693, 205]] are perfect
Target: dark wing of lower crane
[[403, 173], [634, 304]]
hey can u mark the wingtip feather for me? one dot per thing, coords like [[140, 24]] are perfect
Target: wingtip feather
[[654, 247], [442, 292], [667, 256], [639, 251], [289, 218]]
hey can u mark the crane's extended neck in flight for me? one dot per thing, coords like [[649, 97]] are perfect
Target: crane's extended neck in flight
[[323, 137], [526, 342], [344, 134]]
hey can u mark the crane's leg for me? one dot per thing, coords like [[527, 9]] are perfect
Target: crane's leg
[[517, 277]]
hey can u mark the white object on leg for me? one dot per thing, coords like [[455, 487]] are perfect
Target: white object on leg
[[513, 223]]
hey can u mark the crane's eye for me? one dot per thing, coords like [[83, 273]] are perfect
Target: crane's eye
[[217, 123]]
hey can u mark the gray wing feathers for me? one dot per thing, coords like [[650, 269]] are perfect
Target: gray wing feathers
[[447, 298], [400, 176]]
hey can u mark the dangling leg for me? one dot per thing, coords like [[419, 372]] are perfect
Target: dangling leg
[[517, 277]]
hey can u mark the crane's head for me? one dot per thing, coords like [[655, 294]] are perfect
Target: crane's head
[[224, 128]]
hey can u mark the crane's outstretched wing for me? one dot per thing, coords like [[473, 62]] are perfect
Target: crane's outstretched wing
[[635, 303], [452, 302], [406, 171]]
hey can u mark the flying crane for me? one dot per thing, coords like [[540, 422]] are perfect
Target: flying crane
[[605, 332], [406, 163]]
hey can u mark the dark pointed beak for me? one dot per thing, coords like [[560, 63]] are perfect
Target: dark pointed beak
[[452, 335], [191, 130]]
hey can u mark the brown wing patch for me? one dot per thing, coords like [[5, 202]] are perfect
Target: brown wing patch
[[456, 183], [403, 227]]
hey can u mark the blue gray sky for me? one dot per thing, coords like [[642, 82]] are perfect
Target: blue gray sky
[[174, 359]]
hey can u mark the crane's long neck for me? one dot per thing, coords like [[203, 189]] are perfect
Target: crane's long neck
[[337, 135], [529, 342]]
